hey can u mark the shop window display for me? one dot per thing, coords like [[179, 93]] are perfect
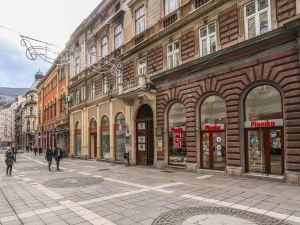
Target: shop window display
[[105, 144]]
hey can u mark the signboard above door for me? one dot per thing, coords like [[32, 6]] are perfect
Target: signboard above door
[[264, 123]]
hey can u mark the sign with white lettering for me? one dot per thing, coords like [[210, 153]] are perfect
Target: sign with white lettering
[[264, 123]]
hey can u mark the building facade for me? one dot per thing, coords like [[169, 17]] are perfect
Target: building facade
[[203, 85], [7, 122], [52, 123]]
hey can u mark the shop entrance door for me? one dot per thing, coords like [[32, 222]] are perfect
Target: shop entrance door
[[145, 154], [93, 145], [264, 151], [213, 150]]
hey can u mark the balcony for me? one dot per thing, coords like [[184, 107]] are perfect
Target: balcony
[[170, 19]]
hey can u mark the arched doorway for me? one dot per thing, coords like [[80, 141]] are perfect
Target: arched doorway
[[77, 139], [177, 134], [93, 139], [144, 136], [120, 133], [105, 143], [264, 152], [213, 135]]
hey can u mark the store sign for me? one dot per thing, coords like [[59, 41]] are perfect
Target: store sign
[[210, 127], [177, 137], [264, 123]]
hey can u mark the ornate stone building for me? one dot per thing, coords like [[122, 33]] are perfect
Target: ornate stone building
[[204, 85], [26, 117]]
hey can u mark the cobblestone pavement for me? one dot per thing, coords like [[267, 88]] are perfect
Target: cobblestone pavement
[[90, 192]]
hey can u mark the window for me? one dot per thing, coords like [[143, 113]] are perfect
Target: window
[[140, 20], [257, 18], [118, 36], [142, 67], [104, 85], [77, 65], [208, 39], [171, 6], [93, 90], [118, 78], [92, 55], [117, 7], [105, 142], [82, 91], [104, 46], [120, 136], [61, 73], [173, 55], [77, 97], [176, 134]]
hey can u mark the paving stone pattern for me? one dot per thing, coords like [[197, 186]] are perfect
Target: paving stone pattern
[[101, 193]]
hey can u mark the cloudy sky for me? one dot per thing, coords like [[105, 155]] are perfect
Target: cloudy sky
[[52, 21]]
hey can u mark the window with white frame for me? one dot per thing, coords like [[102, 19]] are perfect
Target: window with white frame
[[77, 65], [208, 39], [93, 90], [171, 6], [118, 36], [77, 97], [142, 67], [104, 46], [82, 91], [104, 85], [257, 18], [92, 55], [140, 21], [173, 55]]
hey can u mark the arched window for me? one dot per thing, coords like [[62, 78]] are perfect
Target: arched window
[[105, 143], [176, 134], [120, 132], [263, 103], [264, 150], [93, 124], [213, 134], [77, 138]]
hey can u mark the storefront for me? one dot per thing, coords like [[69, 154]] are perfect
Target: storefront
[[177, 134], [120, 132], [105, 143], [77, 139], [213, 133], [264, 148]]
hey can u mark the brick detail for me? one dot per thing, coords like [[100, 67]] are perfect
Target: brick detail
[[229, 26], [128, 72], [281, 69], [285, 9], [155, 59], [187, 45]]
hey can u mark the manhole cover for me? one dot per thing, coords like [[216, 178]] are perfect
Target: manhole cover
[[214, 216], [73, 182]]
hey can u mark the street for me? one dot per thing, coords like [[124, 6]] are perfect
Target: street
[[90, 192]]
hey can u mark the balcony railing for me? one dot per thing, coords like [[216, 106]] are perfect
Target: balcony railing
[[170, 19]]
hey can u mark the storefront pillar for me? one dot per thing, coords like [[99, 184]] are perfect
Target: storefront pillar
[[71, 134]]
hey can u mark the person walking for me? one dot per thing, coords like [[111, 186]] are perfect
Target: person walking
[[9, 160], [35, 151], [40, 150], [58, 154], [48, 157], [15, 153]]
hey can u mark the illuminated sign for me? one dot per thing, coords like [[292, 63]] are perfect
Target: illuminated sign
[[264, 123]]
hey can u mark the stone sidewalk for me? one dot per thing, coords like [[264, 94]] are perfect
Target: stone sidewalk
[[90, 192]]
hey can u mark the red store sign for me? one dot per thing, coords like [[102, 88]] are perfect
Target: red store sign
[[264, 123], [212, 127]]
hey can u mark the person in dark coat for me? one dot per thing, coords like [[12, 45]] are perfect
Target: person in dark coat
[[40, 150], [58, 154], [48, 157], [9, 160], [27, 149], [35, 151]]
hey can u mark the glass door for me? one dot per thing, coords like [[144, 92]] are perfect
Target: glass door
[[219, 150], [275, 150], [256, 151], [205, 145]]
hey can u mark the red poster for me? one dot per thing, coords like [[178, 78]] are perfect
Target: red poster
[[177, 137]]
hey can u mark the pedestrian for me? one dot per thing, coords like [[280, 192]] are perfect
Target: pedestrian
[[15, 153], [35, 151], [27, 148], [48, 157], [58, 154], [9, 160], [40, 150]]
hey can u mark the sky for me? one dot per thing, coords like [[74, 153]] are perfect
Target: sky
[[52, 21]]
